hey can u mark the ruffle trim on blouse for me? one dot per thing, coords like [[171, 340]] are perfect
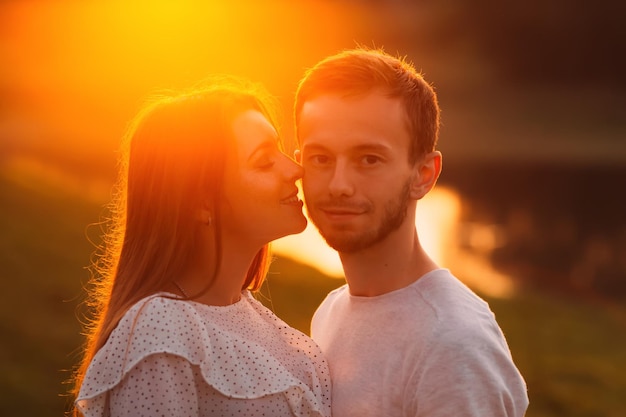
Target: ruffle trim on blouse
[[217, 353]]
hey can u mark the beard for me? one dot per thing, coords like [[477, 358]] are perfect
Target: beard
[[394, 213]]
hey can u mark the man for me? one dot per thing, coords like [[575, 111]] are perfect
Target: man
[[403, 337]]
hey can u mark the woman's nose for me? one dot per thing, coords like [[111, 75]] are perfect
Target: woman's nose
[[293, 170]]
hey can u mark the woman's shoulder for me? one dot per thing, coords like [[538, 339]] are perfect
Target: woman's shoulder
[[242, 351], [159, 323], [204, 335], [156, 316]]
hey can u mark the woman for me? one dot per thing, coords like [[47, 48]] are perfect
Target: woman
[[204, 188]]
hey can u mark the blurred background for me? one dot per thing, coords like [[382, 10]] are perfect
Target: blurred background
[[529, 210]]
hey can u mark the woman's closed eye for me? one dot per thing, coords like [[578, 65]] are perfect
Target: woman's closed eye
[[265, 162]]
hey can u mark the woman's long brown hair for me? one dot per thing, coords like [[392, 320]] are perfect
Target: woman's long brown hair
[[172, 162]]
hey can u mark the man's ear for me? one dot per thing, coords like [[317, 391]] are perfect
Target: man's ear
[[425, 175], [298, 156]]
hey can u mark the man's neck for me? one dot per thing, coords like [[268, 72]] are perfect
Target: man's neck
[[392, 264]]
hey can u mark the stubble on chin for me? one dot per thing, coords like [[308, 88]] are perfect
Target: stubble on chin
[[350, 241], [344, 242]]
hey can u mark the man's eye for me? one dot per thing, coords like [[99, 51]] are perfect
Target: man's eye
[[319, 159], [370, 159]]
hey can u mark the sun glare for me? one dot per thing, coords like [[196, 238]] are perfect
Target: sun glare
[[437, 216], [80, 69]]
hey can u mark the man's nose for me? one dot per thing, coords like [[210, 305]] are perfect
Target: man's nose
[[340, 182]]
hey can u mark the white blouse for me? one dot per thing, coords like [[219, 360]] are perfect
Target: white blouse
[[169, 357]]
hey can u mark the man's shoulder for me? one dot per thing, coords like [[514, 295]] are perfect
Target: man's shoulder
[[342, 289], [447, 294], [336, 294], [329, 303]]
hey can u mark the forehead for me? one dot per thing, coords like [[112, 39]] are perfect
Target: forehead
[[346, 121], [251, 129]]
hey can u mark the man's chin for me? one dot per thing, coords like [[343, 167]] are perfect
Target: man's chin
[[344, 240], [345, 244]]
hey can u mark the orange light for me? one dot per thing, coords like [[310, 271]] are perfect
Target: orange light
[[79, 70]]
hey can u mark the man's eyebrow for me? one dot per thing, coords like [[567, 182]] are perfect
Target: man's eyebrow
[[313, 147], [366, 147], [371, 147]]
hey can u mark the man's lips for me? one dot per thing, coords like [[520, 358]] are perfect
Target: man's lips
[[341, 211]]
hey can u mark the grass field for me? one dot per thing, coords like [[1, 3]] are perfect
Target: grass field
[[572, 353]]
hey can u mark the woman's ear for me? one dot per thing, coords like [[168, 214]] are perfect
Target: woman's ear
[[205, 217], [425, 175], [204, 214], [297, 155]]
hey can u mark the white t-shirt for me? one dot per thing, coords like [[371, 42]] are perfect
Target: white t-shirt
[[431, 349], [182, 358]]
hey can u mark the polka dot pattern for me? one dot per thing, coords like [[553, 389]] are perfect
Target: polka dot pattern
[[182, 358]]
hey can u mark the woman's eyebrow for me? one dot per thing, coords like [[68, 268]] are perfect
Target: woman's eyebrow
[[267, 145]]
